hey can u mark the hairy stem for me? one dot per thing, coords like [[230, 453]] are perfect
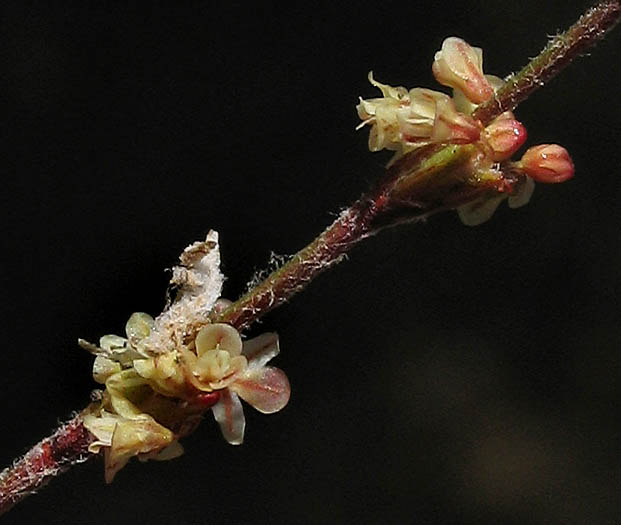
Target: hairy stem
[[354, 223], [426, 181], [67, 446], [558, 54], [403, 194]]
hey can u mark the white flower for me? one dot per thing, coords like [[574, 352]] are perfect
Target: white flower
[[402, 120], [222, 363]]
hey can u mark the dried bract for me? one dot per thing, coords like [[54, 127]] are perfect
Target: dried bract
[[161, 377]]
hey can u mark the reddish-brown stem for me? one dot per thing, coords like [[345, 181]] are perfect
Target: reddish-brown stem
[[353, 224], [356, 222], [555, 57], [424, 182], [48, 458], [403, 194]]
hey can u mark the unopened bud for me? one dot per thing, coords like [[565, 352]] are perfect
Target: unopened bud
[[505, 135], [460, 66], [547, 163]]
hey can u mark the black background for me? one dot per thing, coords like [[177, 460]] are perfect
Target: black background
[[443, 374]]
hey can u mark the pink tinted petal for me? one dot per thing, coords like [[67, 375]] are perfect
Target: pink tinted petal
[[229, 413], [267, 389], [452, 127], [505, 135], [261, 349], [460, 66], [549, 163]]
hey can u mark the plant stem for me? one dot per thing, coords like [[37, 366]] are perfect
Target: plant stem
[[355, 223], [416, 186], [67, 446], [383, 206], [556, 56]]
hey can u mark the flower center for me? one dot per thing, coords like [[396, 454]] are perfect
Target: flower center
[[213, 365]]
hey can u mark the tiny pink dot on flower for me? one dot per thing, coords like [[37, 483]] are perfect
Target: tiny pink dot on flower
[[207, 399]]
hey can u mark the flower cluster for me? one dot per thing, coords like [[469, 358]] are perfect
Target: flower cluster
[[157, 392], [150, 399], [403, 120]]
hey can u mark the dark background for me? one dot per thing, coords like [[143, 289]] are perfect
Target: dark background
[[443, 374]]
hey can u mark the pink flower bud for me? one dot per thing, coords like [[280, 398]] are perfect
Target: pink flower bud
[[505, 135], [460, 66], [547, 163]]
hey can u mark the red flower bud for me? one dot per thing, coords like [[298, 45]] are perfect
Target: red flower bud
[[548, 163], [505, 135]]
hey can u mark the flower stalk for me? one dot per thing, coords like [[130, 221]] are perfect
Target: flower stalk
[[424, 181]]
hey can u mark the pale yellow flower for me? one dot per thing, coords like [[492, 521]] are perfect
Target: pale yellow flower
[[460, 66], [403, 120]]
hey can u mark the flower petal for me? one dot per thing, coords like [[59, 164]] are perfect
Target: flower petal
[[229, 413], [112, 342], [452, 127], [262, 349], [172, 451], [479, 211], [523, 194], [103, 368], [267, 388], [460, 66], [218, 336], [102, 427], [138, 327], [397, 93], [133, 437]]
